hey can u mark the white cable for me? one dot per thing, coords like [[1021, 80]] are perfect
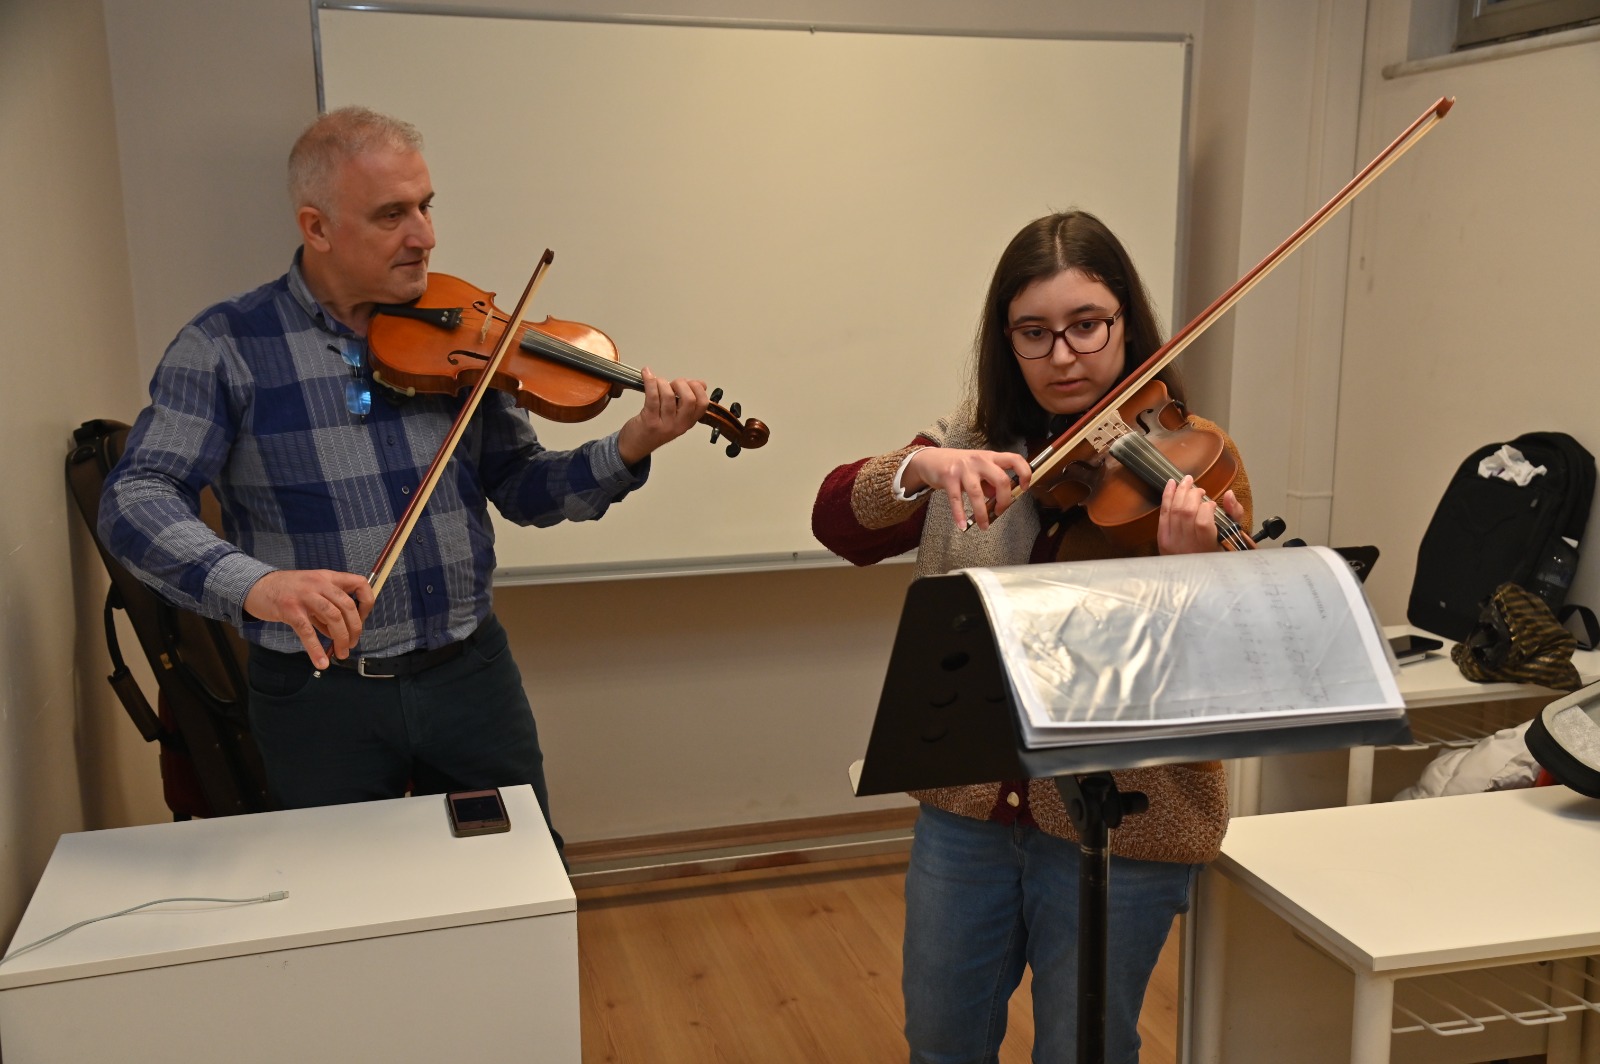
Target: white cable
[[277, 895]]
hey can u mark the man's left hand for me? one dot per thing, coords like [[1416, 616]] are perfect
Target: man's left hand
[[670, 409]]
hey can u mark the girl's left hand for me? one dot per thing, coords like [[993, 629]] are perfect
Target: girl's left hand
[[1188, 519]]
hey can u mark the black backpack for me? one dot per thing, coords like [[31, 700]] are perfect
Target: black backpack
[[1488, 531], [209, 762]]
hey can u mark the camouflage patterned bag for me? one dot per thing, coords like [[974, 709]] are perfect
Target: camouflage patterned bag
[[1517, 640]]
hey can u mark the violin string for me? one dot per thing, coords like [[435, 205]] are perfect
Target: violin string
[[557, 348], [1135, 451], [546, 344]]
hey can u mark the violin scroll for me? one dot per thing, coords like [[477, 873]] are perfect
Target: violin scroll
[[725, 423]]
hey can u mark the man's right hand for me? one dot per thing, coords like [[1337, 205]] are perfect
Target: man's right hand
[[313, 601]]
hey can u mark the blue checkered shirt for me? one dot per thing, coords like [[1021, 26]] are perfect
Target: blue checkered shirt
[[250, 399]]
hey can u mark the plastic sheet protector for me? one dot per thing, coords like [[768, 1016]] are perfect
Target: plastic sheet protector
[[1195, 644]]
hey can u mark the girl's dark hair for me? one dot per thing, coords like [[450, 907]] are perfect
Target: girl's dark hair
[[1005, 409]]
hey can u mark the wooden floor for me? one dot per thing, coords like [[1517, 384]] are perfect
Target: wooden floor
[[784, 965]]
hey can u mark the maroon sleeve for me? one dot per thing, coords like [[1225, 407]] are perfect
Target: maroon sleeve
[[837, 526]]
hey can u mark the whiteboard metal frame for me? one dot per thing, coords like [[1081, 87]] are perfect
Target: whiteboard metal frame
[[694, 21], [593, 572]]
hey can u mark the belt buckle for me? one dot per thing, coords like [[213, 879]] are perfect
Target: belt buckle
[[361, 669]]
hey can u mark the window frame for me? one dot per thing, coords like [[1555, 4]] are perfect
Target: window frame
[[1486, 21]]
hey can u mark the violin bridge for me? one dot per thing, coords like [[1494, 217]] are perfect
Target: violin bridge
[[1108, 430]]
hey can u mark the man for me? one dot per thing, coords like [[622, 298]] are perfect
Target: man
[[269, 398]]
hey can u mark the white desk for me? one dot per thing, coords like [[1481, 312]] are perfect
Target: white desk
[[1308, 920], [398, 942], [1437, 681]]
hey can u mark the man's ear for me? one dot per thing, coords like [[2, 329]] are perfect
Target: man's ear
[[314, 226]]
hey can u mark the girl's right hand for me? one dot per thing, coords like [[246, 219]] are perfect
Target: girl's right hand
[[969, 478]]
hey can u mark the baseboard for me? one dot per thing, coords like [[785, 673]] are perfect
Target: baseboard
[[739, 847]]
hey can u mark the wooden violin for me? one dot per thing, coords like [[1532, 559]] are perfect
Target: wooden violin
[[561, 370], [1120, 488], [463, 343]]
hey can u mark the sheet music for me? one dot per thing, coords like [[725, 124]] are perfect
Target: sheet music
[[1188, 644]]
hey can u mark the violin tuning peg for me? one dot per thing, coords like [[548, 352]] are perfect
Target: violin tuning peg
[[734, 409], [1271, 528], [715, 433], [733, 450], [716, 395]]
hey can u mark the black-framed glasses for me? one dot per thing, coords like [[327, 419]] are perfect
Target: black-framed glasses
[[1083, 337], [357, 393]]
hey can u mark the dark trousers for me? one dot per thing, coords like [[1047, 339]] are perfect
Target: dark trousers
[[341, 737]]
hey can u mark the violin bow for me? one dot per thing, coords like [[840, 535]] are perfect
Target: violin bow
[[408, 520], [1094, 428]]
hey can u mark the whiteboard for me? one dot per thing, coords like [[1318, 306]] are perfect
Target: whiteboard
[[806, 218]]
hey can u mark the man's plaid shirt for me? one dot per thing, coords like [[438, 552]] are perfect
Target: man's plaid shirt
[[250, 398]]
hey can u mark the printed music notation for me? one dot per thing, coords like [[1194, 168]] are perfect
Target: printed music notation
[[1124, 649]]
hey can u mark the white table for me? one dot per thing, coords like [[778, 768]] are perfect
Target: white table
[[397, 942], [1431, 682], [1309, 919], [1437, 681]]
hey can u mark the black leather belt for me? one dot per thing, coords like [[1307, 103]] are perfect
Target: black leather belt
[[408, 664]]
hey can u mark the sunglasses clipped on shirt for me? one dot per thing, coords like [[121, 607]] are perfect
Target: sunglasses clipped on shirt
[[357, 392]]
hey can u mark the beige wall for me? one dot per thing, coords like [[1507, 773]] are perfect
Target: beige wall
[[69, 321], [1471, 314], [1492, 217], [664, 705], [1275, 139]]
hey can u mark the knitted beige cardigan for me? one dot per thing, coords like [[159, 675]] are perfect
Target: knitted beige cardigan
[[1188, 812]]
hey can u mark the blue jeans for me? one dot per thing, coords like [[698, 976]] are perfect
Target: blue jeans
[[341, 737], [984, 899]]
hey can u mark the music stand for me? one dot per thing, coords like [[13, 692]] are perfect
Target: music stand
[[947, 717]]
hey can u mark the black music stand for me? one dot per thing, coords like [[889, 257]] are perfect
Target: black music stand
[[947, 718]]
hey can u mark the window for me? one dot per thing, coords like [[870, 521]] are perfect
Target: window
[[1483, 21]]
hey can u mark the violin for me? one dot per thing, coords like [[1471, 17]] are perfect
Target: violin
[[560, 370], [453, 337], [1120, 488], [1118, 456]]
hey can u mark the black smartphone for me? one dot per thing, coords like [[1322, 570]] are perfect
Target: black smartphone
[[477, 812], [1413, 647]]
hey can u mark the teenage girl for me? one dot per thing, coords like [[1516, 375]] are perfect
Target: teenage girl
[[992, 884]]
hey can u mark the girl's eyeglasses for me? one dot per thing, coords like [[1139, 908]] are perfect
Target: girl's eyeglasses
[[1081, 337]]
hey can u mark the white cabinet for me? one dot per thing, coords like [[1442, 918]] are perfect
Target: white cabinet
[[396, 942]]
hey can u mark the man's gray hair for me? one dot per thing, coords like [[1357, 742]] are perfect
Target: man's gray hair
[[333, 139]]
